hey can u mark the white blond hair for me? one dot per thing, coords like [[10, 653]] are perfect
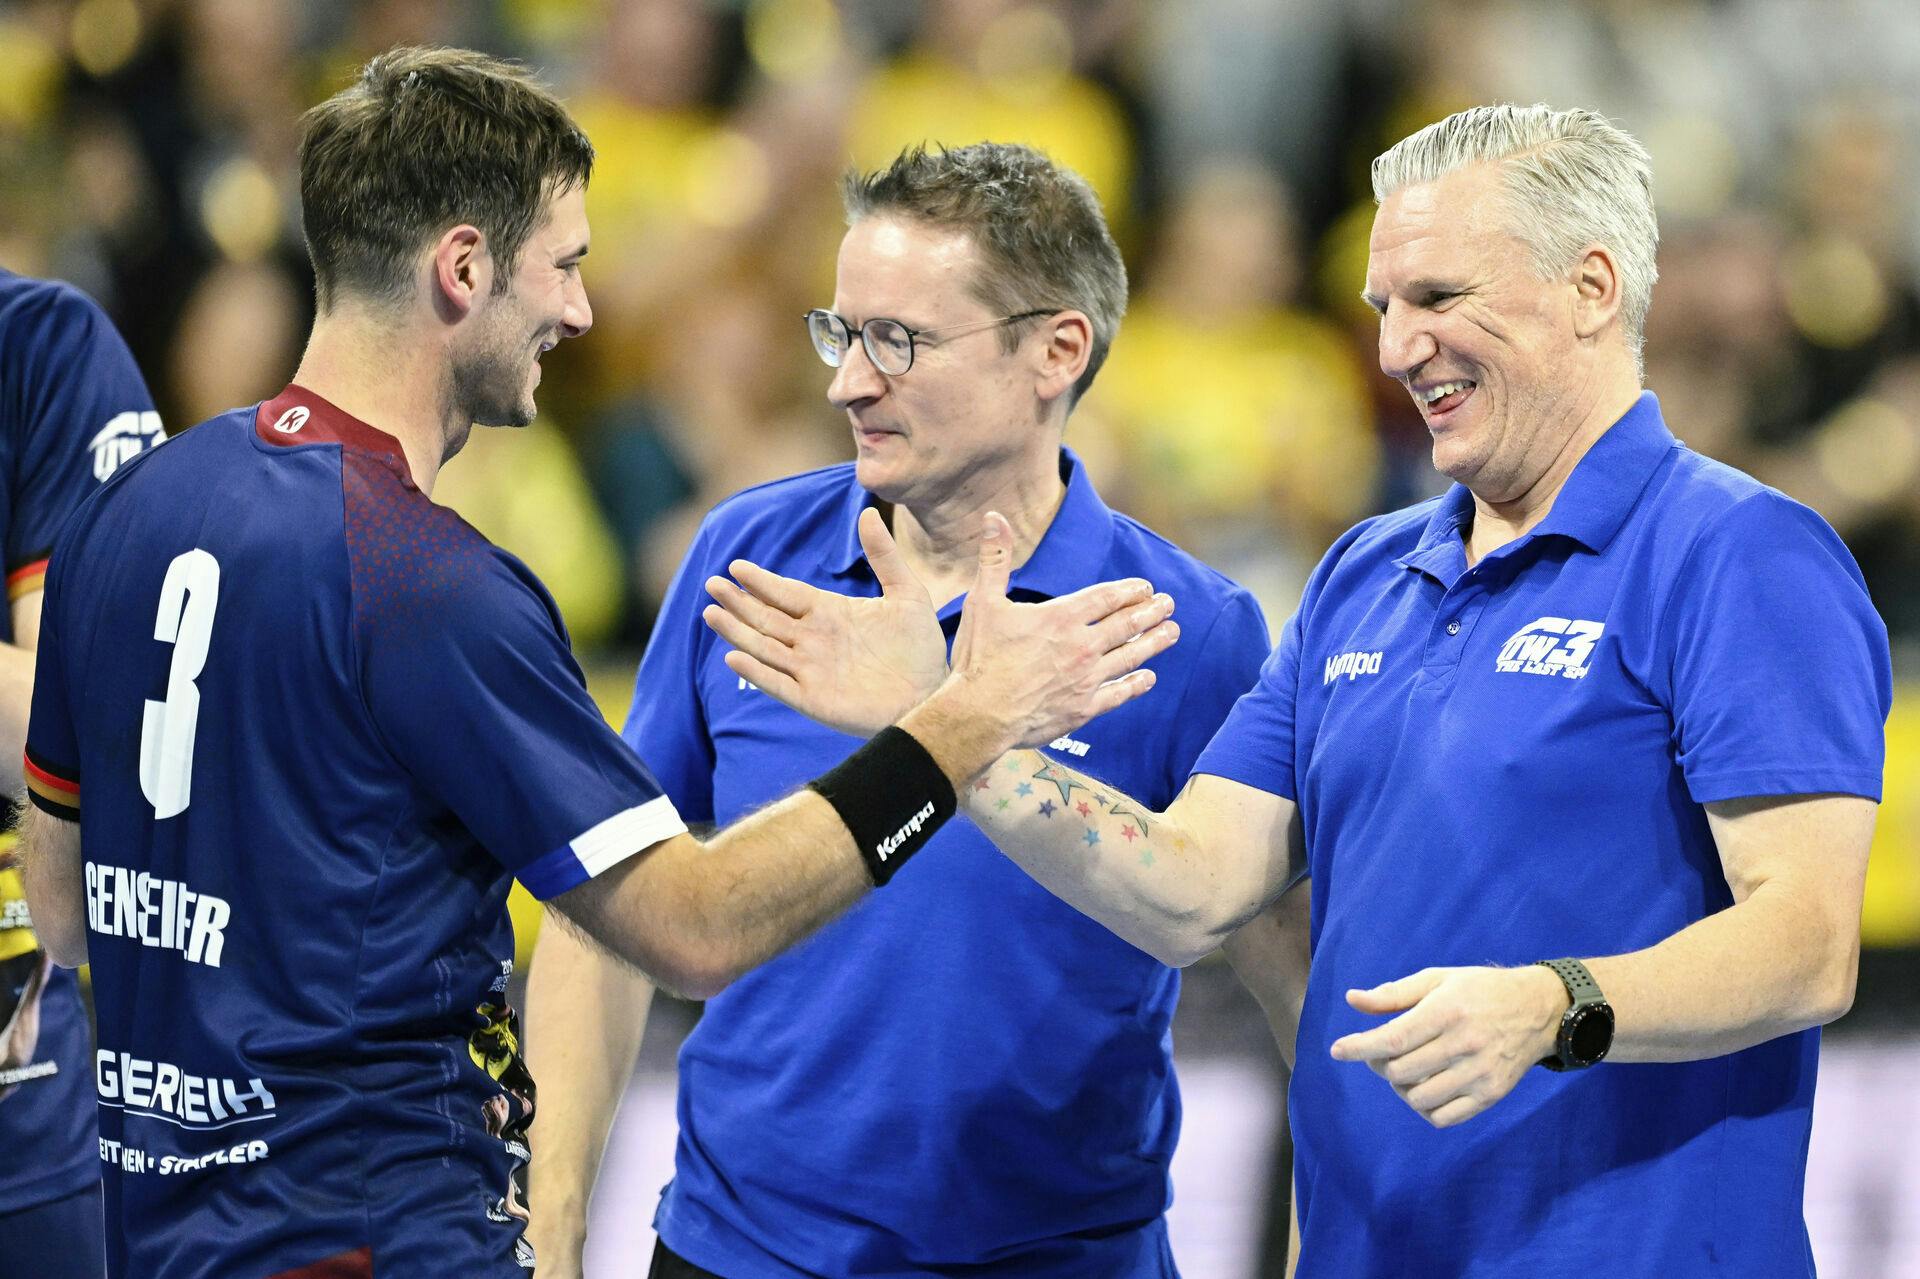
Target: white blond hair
[[1573, 179]]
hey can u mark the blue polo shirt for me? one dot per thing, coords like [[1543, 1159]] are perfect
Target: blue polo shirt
[[1507, 763], [962, 1071]]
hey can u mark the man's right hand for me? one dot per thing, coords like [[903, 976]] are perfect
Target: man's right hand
[[1037, 671]]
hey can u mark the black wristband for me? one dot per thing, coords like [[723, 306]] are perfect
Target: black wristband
[[892, 796]]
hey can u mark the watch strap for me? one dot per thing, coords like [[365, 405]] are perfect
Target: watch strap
[[1584, 992]]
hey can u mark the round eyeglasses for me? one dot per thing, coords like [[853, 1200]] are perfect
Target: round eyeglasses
[[889, 343]]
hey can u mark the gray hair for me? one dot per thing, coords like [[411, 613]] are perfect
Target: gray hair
[[1042, 237], [1573, 178]]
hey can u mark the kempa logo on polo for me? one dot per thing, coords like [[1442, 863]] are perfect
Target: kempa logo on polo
[[157, 912], [1550, 646], [1353, 666], [291, 421], [124, 438], [886, 846]]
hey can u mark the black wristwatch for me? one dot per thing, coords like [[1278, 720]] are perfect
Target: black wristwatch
[[1586, 1028]]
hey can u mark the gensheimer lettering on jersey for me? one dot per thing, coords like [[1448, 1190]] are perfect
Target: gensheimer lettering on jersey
[[162, 1090], [159, 912], [1550, 646], [1352, 665]]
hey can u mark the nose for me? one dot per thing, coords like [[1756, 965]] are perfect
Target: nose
[[576, 315], [856, 379], [1405, 341]]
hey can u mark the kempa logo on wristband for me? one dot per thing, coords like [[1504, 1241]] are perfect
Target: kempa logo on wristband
[[892, 797], [901, 836]]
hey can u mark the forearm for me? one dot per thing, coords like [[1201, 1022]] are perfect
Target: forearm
[[586, 1014], [1269, 955], [754, 889], [16, 700], [50, 871], [1143, 874], [1766, 967]]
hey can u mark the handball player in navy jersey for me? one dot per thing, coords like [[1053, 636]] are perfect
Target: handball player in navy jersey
[[73, 407], [321, 723]]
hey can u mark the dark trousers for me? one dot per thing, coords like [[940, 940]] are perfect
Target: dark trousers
[[65, 1239], [668, 1264]]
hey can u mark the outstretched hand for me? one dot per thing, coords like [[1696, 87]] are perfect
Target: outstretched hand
[[854, 664], [1038, 671]]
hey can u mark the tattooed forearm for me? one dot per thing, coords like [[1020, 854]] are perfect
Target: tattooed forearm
[[1027, 784]]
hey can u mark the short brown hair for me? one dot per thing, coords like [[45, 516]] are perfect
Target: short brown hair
[[424, 140], [1038, 226]]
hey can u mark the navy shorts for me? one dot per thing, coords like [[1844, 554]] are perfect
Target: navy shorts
[[62, 1239]]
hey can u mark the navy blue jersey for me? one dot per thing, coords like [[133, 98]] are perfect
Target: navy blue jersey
[[320, 723], [72, 408]]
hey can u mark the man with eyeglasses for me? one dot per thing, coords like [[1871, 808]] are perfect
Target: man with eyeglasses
[[961, 1075]]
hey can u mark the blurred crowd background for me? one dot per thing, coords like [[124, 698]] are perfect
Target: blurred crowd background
[[147, 153]]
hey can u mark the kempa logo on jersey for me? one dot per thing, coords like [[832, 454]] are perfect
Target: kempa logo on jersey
[[291, 421], [886, 846], [1353, 666], [124, 438], [1550, 646], [160, 1089], [157, 912]]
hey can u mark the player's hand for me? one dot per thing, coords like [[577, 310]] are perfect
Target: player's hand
[[1036, 671], [852, 664], [1463, 1038]]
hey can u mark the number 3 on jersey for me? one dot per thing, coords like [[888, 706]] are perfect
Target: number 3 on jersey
[[188, 597]]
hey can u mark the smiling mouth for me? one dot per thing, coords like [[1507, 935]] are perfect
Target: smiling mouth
[[1443, 397]]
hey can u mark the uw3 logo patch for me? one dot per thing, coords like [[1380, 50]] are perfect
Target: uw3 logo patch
[[1550, 646], [123, 439]]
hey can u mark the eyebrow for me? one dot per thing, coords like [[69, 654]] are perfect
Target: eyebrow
[[1414, 288]]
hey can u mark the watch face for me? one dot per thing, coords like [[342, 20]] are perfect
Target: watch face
[[1592, 1034]]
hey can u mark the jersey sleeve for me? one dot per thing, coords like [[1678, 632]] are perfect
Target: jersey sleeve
[[1776, 665], [83, 410], [667, 724], [1255, 746], [468, 677], [52, 764], [1231, 655]]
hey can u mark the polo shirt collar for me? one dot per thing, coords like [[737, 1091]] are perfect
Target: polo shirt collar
[[1591, 508], [1070, 553], [298, 416], [1601, 493]]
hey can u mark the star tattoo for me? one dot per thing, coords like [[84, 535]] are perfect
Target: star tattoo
[[1023, 790], [1093, 837], [1083, 809], [1046, 808], [1129, 834]]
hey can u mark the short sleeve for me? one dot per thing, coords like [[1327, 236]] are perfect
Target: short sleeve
[[52, 765], [1255, 746], [468, 677], [83, 410], [1231, 655], [1779, 676], [667, 724]]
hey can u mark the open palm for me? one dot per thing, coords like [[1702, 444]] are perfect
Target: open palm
[[854, 664]]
